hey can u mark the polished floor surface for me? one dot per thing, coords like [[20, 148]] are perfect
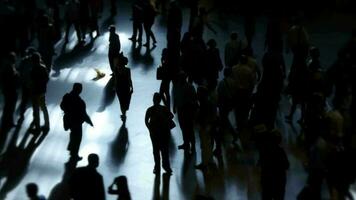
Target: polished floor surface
[[125, 149]]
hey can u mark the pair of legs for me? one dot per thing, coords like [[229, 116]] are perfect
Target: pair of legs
[[75, 138], [124, 100], [160, 150], [186, 123], [77, 30], [206, 146], [164, 92], [149, 34], [136, 27], [39, 102]]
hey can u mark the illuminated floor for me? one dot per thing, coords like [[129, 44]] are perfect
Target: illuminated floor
[[126, 149]]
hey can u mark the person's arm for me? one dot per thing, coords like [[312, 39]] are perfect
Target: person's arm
[[147, 118]]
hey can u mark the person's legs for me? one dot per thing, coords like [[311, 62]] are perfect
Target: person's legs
[[75, 140], [165, 157], [36, 111], [43, 106], [156, 155], [68, 25], [148, 34], [24, 100]]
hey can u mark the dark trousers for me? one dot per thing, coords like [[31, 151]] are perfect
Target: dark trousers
[[75, 138], [137, 26], [111, 60], [273, 188], [25, 99], [77, 30], [10, 99], [186, 122], [160, 149], [149, 33]]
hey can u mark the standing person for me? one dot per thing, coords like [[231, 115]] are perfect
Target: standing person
[[32, 192], [149, 15], [213, 63], [95, 8], [185, 104], [86, 182], [39, 79], [122, 189], [72, 18], [25, 69], [114, 47], [166, 79], [123, 84], [84, 17], [9, 80], [46, 40], [74, 115], [233, 50], [159, 122], [137, 21], [207, 119]]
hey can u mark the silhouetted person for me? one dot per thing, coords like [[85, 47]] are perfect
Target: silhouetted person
[[274, 165], [86, 182], [9, 83], [95, 9], [39, 79], [158, 120], [46, 41], [186, 105], [84, 14], [32, 192], [114, 47], [207, 118], [200, 22], [72, 17], [122, 189], [164, 89], [269, 89], [137, 21], [123, 83], [74, 115], [25, 69], [232, 50], [149, 15], [226, 94], [213, 63]]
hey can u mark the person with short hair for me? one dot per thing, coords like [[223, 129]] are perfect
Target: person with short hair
[[32, 192]]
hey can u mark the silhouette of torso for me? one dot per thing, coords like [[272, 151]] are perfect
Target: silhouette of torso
[[74, 108]]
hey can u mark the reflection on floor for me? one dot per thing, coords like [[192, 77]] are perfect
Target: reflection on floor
[[125, 149]]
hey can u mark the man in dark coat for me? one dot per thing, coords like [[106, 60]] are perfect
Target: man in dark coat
[[158, 120], [74, 115], [87, 183]]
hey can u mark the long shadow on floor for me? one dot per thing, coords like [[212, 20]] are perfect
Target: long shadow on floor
[[119, 146], [108, 95], [15, 161], [137, 58], [61, 190], [157, 195]]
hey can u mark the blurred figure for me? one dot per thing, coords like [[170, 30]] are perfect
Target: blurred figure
[[123, 84], [46, 41], [72, 18], [39, 80], [137, 21], [114, 47], [74, 115], [158, 120], [25, 69], [232, 50], [9, 83], [32, 192], [163, 73], [95, 9], [86, 182], [185, 105], [122, 189], [213, 63], [200, 22], [149, 15]]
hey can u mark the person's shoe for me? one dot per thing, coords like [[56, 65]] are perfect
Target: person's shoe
[[133, 39], [35, 131], [200, 166], [182, 146]]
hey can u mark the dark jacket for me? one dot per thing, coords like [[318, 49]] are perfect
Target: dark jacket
[[40, 78]]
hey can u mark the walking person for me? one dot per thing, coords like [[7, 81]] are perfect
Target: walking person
[[39, 79], [149, 15], [114, 47], [159, 122], [137, 21], [74, 115], [123, 84]]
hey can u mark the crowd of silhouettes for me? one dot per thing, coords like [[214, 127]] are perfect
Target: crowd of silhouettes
[[207, 89]]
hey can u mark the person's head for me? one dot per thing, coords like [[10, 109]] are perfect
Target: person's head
[[32, 190], [121, 60], [36, 58], [156, 98], [211, 43], [93, 160], [121, 183], [112, 29], [77, 88], [234, 36], [314, 52]]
